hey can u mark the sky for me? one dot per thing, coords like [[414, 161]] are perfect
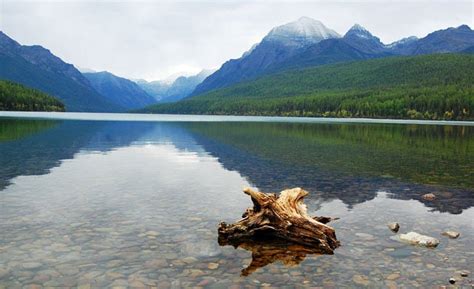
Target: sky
[[157, 39]]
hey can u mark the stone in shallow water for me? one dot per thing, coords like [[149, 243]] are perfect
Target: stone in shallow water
[[419, 239], [393, 276], [360, 279], [189, 260], [394, 227], [429, 197], [451, 234], [152, 233], [213, 266]]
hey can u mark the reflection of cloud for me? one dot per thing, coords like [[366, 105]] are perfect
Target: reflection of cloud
[[136, 181]]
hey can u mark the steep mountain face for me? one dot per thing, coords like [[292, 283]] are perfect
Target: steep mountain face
[[37, 67], [281, 43], [121, 91], [182, 87]]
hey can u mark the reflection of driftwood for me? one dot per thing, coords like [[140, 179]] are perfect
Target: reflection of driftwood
[[265, 252], [283, 217]]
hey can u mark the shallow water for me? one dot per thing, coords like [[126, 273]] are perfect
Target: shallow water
[[136, 204]]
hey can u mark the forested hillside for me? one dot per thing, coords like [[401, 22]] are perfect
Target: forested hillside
[[14, 96], [424, 87]]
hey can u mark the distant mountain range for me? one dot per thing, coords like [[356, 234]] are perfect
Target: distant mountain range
[[296, 45], [180, 88], [124, 92], [307, 42]]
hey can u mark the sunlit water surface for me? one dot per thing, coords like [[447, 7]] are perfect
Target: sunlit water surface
[[136, 204]]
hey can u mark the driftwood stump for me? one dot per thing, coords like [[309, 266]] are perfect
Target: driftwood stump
[[283, 217]]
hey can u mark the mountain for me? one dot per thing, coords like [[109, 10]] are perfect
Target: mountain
[[435, 86], [120, 91], [361, 39], [14, 96], [279, 44], [157, 88], [402, 46], [357, 44], [183, 86], [180, 88], [38, 68], [307, 42], [441, 41]]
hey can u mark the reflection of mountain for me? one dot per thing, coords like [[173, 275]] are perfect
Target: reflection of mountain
[[36, 154], [348, 162]]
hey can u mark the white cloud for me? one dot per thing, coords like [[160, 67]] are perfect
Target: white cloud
[[153, 39]]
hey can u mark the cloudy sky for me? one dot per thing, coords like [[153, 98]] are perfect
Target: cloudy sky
[[155, 39]]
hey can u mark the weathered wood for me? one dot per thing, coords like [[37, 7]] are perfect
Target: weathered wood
[[283, 217]]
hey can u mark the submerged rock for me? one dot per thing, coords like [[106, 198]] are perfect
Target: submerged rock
[[429, 197], [418, 239], [394, 227], [464, 274], [360, 279], [451, 234]]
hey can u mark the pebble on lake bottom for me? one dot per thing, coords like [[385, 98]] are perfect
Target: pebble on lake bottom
[[394, 227], [360, 279], [451, 234], [419, 239], [429, 197]]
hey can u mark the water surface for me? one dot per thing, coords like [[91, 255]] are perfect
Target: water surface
[[136, 204]]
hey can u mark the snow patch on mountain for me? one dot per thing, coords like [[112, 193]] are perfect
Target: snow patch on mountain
[[304, 29]]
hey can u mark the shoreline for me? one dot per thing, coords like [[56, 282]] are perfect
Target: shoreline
[[92, 116]]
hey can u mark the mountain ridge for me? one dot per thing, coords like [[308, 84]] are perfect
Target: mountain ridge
[[278, 45], [119, 90], [36, 67], [357, 44]]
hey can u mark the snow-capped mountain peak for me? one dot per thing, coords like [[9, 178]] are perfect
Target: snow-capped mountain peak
[[304, 29], [403, 41], [358, 31]]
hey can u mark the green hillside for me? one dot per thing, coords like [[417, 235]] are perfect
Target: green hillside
[[424, 87], [14, 96]]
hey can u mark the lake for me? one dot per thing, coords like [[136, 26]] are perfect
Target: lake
[[97, 200]]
